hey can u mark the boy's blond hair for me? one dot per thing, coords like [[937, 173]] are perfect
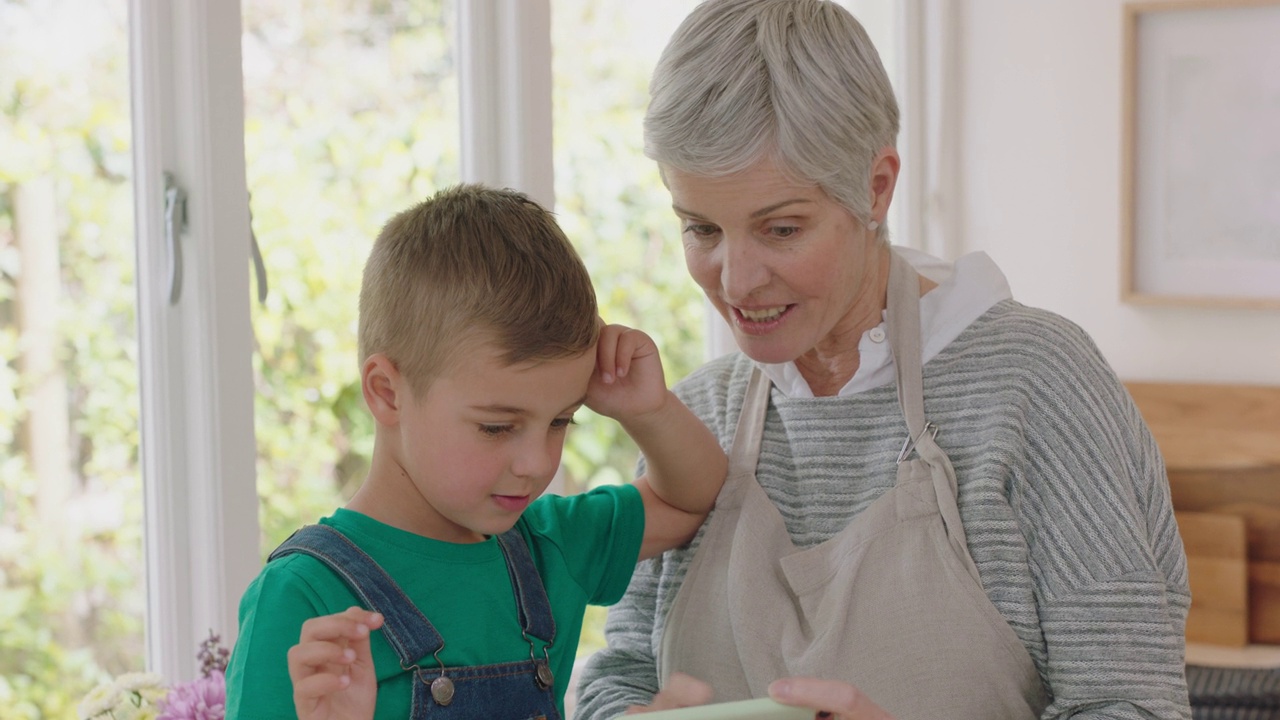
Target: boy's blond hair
[[474, 264]]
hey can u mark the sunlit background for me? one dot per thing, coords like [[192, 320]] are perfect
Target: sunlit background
[[351, 115]]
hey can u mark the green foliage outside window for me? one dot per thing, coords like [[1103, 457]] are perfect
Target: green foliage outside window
[[70, 522], [351, 115]]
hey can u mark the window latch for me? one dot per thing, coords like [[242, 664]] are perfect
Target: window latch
[[175, 223], [259, 267]]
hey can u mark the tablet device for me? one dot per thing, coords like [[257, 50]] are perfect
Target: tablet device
[[762, 709]]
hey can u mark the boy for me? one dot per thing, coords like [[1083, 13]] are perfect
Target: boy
[[479, 339]]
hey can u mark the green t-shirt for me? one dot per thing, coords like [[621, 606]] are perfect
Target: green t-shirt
[[584, 546]]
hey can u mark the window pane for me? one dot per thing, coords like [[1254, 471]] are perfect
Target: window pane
[[71, 560], [351, 116], [615, 209]]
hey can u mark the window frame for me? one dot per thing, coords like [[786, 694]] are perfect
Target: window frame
[[198, 451]]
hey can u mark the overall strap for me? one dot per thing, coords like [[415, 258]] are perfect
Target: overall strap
[[408, 631], [531, 596]]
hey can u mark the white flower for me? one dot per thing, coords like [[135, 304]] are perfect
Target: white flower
[[129, 711], [139, 681], [100, 700]]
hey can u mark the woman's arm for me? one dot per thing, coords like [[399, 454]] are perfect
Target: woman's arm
[[1093, 501], [625, 673]]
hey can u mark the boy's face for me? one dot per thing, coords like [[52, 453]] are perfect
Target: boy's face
[[485, 439]]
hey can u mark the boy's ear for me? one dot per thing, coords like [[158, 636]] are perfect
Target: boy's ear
[[380, 382]]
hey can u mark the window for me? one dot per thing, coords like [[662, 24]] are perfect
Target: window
[[351, 115], [216, 421], [72, 596]]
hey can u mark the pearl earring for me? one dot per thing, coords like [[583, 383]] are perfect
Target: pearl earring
[[873, 225]]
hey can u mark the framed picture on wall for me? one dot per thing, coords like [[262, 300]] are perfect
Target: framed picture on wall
[[1201, 175]]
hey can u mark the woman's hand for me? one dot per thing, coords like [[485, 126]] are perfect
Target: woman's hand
[[681, 691], [332, 667], [834, 699]]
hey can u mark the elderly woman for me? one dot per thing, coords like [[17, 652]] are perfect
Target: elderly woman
[[941, 503]]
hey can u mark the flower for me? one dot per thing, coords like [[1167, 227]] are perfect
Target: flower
[[145, 696], [201, 699], [99, 701], [146, 684], [212, 655]]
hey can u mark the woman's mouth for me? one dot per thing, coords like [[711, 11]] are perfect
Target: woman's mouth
[[760, 320]]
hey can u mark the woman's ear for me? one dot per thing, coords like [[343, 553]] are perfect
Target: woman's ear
[[381, 384], [884, 178]]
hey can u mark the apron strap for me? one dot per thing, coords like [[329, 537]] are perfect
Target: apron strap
[[905, 344], [745, 451]]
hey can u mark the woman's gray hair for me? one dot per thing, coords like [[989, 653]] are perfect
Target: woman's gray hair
[[795, 80]]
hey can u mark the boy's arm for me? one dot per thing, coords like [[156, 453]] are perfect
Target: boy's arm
[[685, 465], [272, 611]]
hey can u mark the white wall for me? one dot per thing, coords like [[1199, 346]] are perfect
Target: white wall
[[1040, 190]]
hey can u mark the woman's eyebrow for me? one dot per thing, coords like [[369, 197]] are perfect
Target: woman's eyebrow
[[778, 206], [758, 213]]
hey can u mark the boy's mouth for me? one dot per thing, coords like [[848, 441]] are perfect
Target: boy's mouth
[[512, 503]]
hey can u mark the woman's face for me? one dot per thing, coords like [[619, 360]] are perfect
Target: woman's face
[[792, 271]]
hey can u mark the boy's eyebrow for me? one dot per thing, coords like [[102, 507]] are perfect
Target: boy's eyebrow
[[506, 409], [512, 410]]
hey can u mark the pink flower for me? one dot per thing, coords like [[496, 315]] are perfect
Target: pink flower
[[201, 699]]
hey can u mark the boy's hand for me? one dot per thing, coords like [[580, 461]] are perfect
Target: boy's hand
[[628, 381], [332, 667]]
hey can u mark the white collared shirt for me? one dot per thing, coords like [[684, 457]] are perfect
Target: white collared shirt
[[965, 291]]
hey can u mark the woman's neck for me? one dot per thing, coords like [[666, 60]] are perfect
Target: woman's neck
[[831, 364]]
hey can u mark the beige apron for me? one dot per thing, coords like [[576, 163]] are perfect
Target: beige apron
[[892, 604]]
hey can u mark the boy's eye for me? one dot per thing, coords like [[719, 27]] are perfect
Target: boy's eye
[[495, 430], [563, 423]]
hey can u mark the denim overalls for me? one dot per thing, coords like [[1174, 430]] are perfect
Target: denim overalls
[[508, 691]]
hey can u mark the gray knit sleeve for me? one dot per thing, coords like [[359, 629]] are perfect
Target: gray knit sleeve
[[1109, 568], [624, 673]]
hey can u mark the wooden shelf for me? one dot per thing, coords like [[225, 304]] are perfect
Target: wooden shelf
[[1221, 448], [1248, 656]]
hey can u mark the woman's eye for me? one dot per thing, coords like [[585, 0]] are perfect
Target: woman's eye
[[783, 231], [495, 430], [701, 230]]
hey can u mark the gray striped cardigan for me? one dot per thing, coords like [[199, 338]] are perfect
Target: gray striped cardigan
[[1062, 492]]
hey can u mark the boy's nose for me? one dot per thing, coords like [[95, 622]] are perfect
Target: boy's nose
[[537, 460]]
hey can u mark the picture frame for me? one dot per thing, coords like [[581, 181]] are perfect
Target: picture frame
[[1200, 206]]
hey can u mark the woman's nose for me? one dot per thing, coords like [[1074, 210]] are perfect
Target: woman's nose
[[742, 270]]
